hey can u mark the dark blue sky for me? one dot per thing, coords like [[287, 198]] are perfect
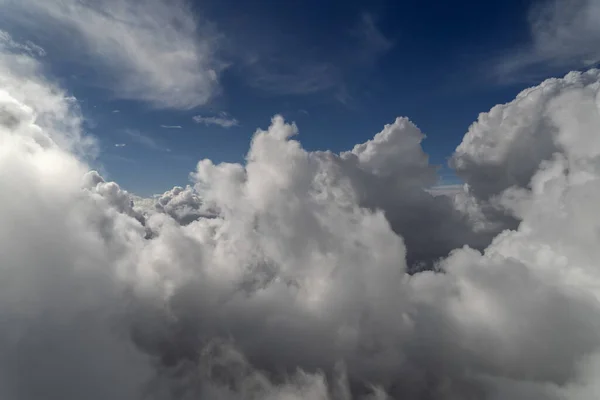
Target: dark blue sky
[[340, 69]]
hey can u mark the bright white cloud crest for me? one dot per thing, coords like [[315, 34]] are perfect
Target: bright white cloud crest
[[287, 278]]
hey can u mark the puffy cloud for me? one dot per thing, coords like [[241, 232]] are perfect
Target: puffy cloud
[[505, 146], [112, 194], [154, 51], [392, 173], [298, 286], [27, 97], [60, 299], [182, 204]]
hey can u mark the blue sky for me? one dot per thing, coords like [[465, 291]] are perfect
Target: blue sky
[[165, 84]]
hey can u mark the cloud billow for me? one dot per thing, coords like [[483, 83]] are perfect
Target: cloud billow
[[291, 276]]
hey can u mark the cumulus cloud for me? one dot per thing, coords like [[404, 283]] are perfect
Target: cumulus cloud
[[33, 98], [291, 276], [182, 204], [223, 119], [154, 51], [506, 145]]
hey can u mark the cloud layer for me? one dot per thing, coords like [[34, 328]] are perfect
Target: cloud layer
[[304, 275]]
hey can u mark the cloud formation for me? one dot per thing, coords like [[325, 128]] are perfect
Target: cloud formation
[[223, 119], [171, 126], [8, 43], [154, 51], [298, 284], [564, 35]]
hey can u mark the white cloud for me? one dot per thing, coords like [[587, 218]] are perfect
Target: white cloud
[[171, 126], [506, 145], [8, 43], [67, 278], [564, 35], [184, 205], [297, 288], [120, 144], [222, 119], [29, 96], [154, 51]]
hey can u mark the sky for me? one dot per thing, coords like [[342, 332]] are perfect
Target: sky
[[163, 86], [304, 243]]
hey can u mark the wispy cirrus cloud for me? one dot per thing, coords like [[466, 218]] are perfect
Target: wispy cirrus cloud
[[276, 76], [145, 140], [564, 35], [155, 51], [315, 67], [371, 43], [171, 126], [7, 42], [120, 144], [223, 119]]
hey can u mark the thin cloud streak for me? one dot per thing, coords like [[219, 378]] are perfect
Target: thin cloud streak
[[7, 42], [223, 120], [171, 126], [145, 140]]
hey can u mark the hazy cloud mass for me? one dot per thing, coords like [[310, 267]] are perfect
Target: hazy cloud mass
[[298, 274]]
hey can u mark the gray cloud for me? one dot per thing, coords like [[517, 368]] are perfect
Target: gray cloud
[[300, 283]]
